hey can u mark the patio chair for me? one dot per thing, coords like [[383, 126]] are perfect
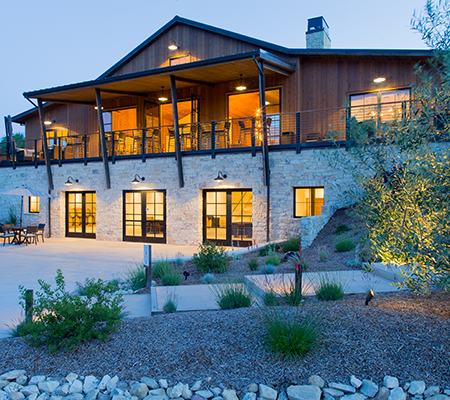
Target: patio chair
[[30, 235], [4, 234], [40, 231]]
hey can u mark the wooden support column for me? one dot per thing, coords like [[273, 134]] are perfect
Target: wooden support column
[[101, 128], [45, 145], [264, 146], [173, 89]]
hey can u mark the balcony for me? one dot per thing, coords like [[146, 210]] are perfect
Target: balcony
[[296, 131]]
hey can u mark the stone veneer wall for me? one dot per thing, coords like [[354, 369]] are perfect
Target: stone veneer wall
[[185, 206]]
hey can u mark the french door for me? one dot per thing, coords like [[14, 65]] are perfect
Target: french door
[[81, 209], [144, 216], [228, 217]]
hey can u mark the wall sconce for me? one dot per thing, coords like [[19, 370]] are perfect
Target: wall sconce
[[379, 79], [138, 179], [70, 181], [162, 97], [173, 46], [241, 86], [220, 176], [47, 122]]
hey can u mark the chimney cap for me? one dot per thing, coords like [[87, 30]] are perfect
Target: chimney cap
[[318, 24]]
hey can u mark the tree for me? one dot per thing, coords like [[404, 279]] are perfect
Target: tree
[[19, 139], [403, 172]]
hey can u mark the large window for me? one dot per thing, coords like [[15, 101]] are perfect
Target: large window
[[308, 201], [33, 204], [386, 106]]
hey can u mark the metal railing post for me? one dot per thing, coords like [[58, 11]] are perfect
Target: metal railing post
[[252, 138], [143, 145], [35, 153], [85, 148], [297, 133], [213, 140]]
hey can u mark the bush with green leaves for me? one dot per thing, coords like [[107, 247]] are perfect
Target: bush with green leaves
[[61, 320], [253, 264], [271, 299], [292, 332], [171, 303], [171, 279], [329, 288], [232, 295], [268, 250], [273, 259], [268, 269], [161, 268], [292, 244], [341, 228], [136, 277], [323, 255], [291, 296], [211, 258], [208, 278], [344, 245]]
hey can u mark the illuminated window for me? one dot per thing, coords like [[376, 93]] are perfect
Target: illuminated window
[[179, 60], [308, 201], [33, 204], [386, 106]]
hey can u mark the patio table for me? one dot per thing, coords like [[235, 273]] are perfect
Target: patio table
[[16, 230]]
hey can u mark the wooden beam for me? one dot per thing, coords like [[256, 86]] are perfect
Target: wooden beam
[[45, 145], [101, 128], [277, 70], [124, 92], [269, 58], [88, 103], [173, 89], [194, 81]]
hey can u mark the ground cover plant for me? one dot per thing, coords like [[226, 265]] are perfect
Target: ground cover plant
[[171, 303], [136, 276], [344, 245], [61, 320], [292, 244], [329, 288], [273, 260], [232, 295]]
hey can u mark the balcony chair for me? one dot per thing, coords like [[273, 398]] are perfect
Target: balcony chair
[[40, 231], [30, 235], [4, 234], [243, 131], [153, 140], [222, 134]]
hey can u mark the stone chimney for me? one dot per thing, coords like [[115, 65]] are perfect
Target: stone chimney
[[317, 36]]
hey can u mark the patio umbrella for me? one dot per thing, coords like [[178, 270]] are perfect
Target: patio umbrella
[[24, 191]]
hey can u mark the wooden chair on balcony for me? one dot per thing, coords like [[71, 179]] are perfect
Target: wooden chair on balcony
[[222, 135], [153, 140], [245, 131]]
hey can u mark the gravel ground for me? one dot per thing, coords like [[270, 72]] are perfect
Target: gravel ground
[[397, 334]]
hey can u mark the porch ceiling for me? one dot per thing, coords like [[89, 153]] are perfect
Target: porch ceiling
[[209, 72]]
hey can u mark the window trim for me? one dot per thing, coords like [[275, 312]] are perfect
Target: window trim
[[180, 56], [294, 200], [38, 205]]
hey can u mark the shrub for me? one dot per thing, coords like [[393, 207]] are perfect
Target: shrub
[[292, 244], [171, 279], [329, 289], [341, 228], [171, 304], [344, 245], [271, 299], [61, 320], [273, 259], [268, 269], [161, 268], [323, 256], [211, 258], [291, 297], [208, 278], [12, 216], [232, 295], [268, 250], [135, 277], [253, 264], [291, 334]]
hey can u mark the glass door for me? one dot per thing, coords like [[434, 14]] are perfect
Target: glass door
[[144, 216], [228, 217], [81, 214]]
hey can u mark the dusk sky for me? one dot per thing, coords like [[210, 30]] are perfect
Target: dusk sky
[[50, 43]]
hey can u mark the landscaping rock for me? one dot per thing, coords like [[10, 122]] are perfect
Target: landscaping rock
[[390, 382], [4, 395], [383, 393], [163, 383], [187, 393], [75, 396], [249, 396], [17, 396], [342, 387], [217, 391], [197, 397], [282, 396], [333, 392], [197, 386], [43, 396], [76, 387], [303, 392], [12, 387], [368, 388], [36, 379], [432, 391], [328, 398], [356, 396], [91, 395], [355, 382], [30, 389], [71, 377], [397, 394], [316, 380], [157, 397], [440, 397], [253, 387], [417, 387], [112, 383], [229, 394], [140, 390], [151, 383], [90, 383], [3, 383], [267, 392], [11, 375], [32, 396], [48, 386], [104, 382], [177, 390], [157, 392], [22, 380], [206, 394]]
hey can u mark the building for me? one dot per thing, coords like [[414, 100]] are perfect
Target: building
[[204, 134]]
